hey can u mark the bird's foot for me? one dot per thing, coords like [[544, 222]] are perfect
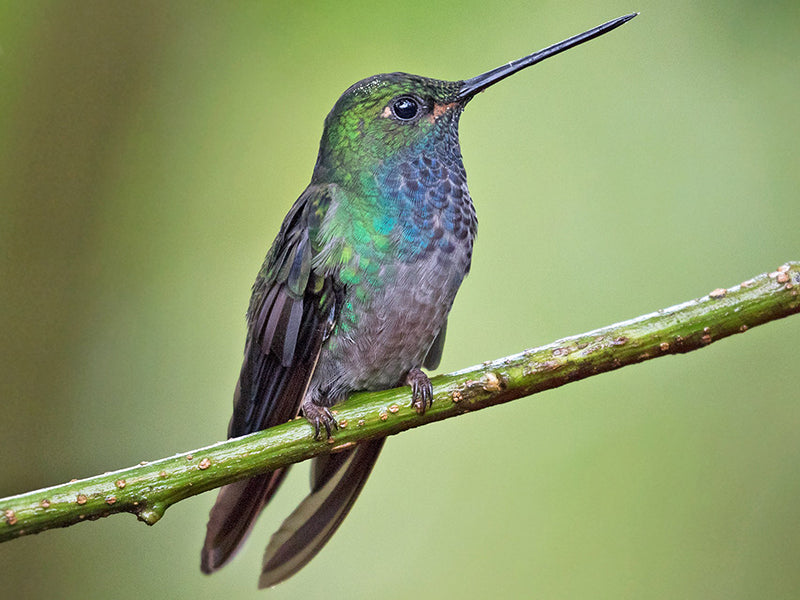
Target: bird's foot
[[421, 390], [319, 417]]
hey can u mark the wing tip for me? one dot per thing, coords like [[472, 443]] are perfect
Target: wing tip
[[216, 553], [208, 561], [271, 578]]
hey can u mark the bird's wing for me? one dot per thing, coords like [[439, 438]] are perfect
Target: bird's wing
[[336, 481], [292, 310], [434, 356]]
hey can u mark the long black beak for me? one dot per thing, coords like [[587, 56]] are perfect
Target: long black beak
[[470, 87]]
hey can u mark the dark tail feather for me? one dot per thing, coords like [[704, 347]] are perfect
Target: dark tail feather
[[233, 516], [337, 480]]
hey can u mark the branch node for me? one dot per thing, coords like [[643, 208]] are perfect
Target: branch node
[[150, 514]]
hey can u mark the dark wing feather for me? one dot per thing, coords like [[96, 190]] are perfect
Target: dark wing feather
[[292, 310], [434, 356], [337, 480]]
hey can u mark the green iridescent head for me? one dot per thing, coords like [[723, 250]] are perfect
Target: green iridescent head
[[382, 115]]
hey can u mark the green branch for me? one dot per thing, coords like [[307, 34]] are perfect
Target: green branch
[[148, 489]]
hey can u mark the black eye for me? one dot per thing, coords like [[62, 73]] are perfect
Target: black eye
[[405, 108]]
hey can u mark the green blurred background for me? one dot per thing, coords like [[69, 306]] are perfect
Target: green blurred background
[[148, 154]]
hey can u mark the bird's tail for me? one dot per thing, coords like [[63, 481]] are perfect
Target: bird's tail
[[233, 516], [336, 481]]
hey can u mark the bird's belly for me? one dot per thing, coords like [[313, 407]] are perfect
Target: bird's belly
[[387, 328]]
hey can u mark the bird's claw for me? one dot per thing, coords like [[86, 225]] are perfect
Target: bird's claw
[[319, 417], [421, 390]]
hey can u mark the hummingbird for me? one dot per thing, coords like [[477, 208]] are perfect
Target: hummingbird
[[354, 293]]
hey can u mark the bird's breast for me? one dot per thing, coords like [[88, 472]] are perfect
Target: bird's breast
[[398, 294]]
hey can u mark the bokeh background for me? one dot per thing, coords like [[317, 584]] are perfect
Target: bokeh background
[[149, 151]]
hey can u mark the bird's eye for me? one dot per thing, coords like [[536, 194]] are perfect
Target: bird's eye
[[405, 108]]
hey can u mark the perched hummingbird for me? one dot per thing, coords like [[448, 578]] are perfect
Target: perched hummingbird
[[354, 293]]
